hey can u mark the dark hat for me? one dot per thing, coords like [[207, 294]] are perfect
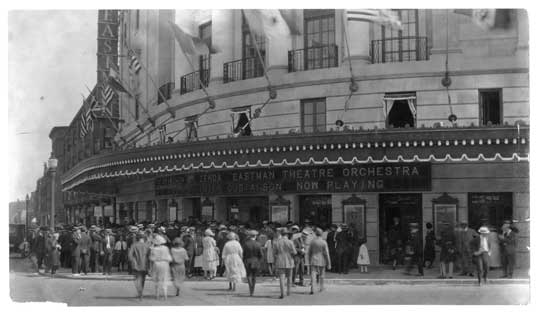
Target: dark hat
[[178, 241], [83, 228]]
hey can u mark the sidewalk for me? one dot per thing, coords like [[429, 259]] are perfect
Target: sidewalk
[[378, 275]]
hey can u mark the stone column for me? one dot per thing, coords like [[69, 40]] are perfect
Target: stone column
[[223, 38]]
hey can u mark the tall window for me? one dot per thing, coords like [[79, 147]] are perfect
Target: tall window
[[191, 128], [319, 38], [137, 18], [251, 65], [400, 45], [490, 107], [205, 33], [313, 112]]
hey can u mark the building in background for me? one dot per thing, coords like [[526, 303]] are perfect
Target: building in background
[[429, 123]]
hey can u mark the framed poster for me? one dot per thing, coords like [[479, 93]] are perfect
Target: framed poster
[[280, 213], [98, 211], [172, 214], [354, 214], [445, 213], [207, 210], [108, 211], [280, 210]]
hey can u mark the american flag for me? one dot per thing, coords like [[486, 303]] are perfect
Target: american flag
[[83, 130], [107, 95], [134, 64]]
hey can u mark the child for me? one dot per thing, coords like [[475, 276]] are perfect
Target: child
[[363, 256]]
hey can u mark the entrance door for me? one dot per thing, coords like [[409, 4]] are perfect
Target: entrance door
[[317, 208], [403, 209], [247, 209]]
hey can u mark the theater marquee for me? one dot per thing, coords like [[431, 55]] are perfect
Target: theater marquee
[[382, 177]]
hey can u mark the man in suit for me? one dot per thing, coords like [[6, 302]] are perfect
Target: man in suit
[[318, 256], [76, 251], [332, 241], [355, 245], [300, 244], [252, 259], [139, 254], [466, 235], [283, 260], [107, 251], [84, 244], [344, 249], [95, 248], [508, 241], [189, 245], [481, 250], [415, 254]]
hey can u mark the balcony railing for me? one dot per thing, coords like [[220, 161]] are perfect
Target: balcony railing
[[242, 69], [313, 58], [399, 49], [166, 90], [190, 82]]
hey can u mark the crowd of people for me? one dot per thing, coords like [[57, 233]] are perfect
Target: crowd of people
[[237, 251]]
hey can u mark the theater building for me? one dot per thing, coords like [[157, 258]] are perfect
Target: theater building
[[396, 155]]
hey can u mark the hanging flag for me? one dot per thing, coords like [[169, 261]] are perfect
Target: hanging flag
[[191, 45], [379, 16], [115, 81], [269, 23], [83, 129], [89, 117], [292, 18], [107, 94], [134, 63], [490, 19]]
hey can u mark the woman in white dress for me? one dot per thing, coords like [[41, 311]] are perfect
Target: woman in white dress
[[232, 258], [160, 256], [269, 248], [210, 256]]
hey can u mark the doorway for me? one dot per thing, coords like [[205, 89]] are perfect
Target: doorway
[[316, 208], [250, 210], [401, 208]]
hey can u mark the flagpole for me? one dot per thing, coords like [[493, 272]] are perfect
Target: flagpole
[[169, 108], [252, 36], [353, 87]]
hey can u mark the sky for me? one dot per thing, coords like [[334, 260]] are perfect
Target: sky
[[51, 57]]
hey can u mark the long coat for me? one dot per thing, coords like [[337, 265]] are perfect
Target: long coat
[[53, 251], [139, 255], [283, 253]]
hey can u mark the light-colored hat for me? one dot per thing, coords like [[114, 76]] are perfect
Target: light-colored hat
[[222, 227], [305, 232], [295, 227], [208, 232], [483, 230], [108, 231], [231, 236], [159, 240], [162, 228], [252, 233]]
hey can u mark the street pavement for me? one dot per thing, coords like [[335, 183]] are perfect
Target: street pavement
[[26, 287], [94, 291]]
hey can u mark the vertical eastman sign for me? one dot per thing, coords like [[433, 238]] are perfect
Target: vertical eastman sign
[[107, 53], [376, 177]]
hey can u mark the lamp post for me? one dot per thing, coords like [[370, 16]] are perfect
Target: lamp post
[[26, 217], [52, 163]]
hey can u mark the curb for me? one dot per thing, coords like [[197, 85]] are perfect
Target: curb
[[328, 281]]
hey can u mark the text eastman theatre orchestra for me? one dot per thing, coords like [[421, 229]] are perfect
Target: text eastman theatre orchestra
[[325, 178]]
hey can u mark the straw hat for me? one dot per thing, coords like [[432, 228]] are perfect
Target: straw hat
[[483, 230], [159, 240], [252, 233], [208, 232], [231, 236]]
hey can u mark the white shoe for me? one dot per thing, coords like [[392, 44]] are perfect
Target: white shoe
[[76, 274]]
